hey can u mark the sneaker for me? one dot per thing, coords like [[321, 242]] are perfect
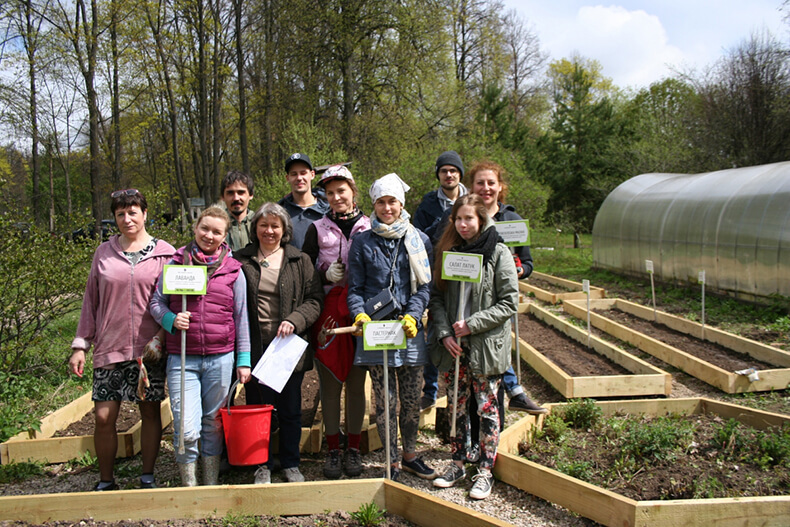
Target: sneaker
[[263, 476], [332, 468], [418, 467], [101, 486], [147, 481], [427, 402], [352, 464], [483, 483], [394, 474], [522, 403], [473, 453], [451, 476], [293, 475]]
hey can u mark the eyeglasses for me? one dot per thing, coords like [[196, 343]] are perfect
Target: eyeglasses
[[127, 192]]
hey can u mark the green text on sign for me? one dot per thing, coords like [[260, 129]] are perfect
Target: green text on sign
[[383, 335], [462, 267], [514, 233], [184, 280]]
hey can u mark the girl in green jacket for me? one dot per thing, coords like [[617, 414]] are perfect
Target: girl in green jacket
[[479, 336]]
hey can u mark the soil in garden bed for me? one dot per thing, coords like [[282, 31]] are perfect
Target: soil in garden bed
[[573, 357], [127, 417], [701, 468], [548, 286], [715, 354]]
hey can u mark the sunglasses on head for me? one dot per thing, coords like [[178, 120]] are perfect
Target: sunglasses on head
[[128, 192]]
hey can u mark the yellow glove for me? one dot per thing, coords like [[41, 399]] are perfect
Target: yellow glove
[[409, 326], [358, 321]]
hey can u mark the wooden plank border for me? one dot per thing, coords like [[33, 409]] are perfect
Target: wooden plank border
[[609, 508], [727, 381], [277, 499], [646, 379], [48, 449], [575, 292]]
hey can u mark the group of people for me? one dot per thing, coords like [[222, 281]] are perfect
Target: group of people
[[312, 261]]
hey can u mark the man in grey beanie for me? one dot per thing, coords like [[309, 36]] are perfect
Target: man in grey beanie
[[449, 171]]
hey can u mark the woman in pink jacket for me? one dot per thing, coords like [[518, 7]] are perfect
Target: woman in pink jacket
[[116, 321]]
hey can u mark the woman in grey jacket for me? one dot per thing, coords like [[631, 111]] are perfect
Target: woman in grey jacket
[[480, 337]]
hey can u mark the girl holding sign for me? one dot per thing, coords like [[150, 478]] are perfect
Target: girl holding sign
[[216, 325], [480, 336], [393, 256]]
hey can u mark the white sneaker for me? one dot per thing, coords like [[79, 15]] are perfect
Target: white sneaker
[[293, 475], [483, 483], [263, 475]]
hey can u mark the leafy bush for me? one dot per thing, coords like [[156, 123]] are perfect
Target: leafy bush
[[581, 413], [554, 428], [42, 278], [729, 438], [658, 439], [774, 447], [582, 470], [369, 515], [12, 472]]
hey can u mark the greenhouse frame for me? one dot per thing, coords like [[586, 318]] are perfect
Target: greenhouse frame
[[733, 224]]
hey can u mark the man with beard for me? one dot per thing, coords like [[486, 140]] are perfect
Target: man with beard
[[237, 192]]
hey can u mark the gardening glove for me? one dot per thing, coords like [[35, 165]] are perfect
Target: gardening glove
[[142, 379], [358, 321], [336, 272], [409, 326]]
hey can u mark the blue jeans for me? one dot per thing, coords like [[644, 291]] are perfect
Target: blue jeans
[[511, 383], [430, 377], [206, 383]]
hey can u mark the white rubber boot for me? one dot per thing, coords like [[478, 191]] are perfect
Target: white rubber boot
[[210, 470], [188, 474]]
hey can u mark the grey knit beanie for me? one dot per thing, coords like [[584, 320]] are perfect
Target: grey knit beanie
[[452, 158]]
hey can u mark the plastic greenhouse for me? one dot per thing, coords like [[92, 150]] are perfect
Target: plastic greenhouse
[[733, 224]]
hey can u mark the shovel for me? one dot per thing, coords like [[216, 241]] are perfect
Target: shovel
[[328, 331]]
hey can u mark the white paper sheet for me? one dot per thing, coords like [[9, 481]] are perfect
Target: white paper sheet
[[279, 360]]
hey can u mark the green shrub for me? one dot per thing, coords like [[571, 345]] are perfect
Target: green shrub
[[658, 439], [581, 413], [774, 447], [12, 472], [582, 470], [729, 437], [554, 428], [369, 515]]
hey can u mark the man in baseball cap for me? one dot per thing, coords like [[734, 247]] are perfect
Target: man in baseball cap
[[304, 204]]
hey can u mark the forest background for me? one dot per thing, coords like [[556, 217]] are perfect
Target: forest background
[[167, 96]]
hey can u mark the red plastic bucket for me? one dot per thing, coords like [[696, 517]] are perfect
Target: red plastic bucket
[[247, 429]]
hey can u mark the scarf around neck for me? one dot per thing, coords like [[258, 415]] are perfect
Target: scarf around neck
[[484, 244], [419, 264], [194, 255]]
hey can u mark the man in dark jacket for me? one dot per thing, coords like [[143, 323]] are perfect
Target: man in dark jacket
[[449, 171], [304, 204]]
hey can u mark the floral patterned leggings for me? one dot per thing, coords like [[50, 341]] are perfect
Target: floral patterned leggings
[[405, 386], [484, 390]]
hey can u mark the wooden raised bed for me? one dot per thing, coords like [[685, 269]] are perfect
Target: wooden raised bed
[[610, 508], [575, 288], [277, 499], [43, 447], [727, 381], [645, 379]]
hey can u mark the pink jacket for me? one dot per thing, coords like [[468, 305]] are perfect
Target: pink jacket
[[332, 244], [115, 317]]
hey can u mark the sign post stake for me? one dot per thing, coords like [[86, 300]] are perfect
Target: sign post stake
[[384, 335], [702, 281], [184, 280], [649, 267], [586, 289]]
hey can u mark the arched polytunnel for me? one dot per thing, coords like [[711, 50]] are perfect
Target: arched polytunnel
[[734, 224]]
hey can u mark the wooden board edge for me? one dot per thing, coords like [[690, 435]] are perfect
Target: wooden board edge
[[426, 509]]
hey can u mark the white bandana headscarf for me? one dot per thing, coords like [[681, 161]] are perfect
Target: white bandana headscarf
[[389, 185]]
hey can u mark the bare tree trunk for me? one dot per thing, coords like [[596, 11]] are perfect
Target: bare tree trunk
[[116, 94], [245, 157]]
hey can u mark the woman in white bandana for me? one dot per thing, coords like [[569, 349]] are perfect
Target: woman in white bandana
[[394, 255]]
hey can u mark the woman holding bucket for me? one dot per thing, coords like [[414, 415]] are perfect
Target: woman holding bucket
[[479, 335], [327, 242], [216, 324], [284, 297], [393, 256]]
